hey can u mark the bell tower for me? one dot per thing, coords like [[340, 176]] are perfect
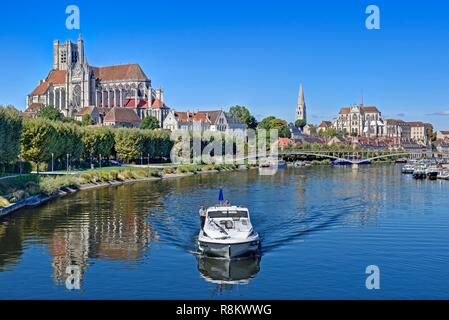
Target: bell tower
[[301, 109]]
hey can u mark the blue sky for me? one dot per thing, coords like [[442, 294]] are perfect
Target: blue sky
[[213, 54]]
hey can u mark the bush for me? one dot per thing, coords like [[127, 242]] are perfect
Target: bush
[[169, 170], [32, 188], [182, 169], [50, 185], [155, 173], [129, 175]]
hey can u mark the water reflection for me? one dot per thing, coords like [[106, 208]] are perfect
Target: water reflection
[[227, 271], [143, 233]]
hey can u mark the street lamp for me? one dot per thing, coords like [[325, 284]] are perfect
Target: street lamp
[[52, 162], [100, 161], [68, 156]]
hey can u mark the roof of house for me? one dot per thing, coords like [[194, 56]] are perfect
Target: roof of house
[[122, 115], [325, 124], [33, 109], [213, 115], [86, 110], [284, 142], [187, 117], [394, 122], [444, 132], [120, 72]]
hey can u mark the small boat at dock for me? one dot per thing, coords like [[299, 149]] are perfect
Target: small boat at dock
[[300, 164], [408, 169], [432, 173], [420, 173]]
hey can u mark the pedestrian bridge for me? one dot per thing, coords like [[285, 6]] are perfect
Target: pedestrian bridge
[[352, 157]]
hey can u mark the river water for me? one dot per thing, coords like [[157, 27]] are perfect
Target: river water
[[320, 228]]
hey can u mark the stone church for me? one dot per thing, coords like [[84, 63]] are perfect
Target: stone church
[[76, 88]]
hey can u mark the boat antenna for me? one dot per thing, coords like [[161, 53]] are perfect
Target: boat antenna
[[220, 197]]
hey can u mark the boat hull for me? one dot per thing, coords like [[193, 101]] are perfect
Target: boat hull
[[419, 176], [229, 250]]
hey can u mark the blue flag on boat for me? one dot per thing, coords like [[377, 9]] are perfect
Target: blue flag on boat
[[220, 196]]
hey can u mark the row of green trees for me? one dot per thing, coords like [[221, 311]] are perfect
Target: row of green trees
[[10, 129], [43, 140]]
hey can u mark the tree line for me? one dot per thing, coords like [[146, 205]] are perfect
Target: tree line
[[42, 140]]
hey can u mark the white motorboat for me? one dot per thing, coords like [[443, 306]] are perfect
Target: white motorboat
[[408, 169], [300, 164], [227, 232]]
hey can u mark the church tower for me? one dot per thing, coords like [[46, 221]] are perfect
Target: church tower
[[301, 106]]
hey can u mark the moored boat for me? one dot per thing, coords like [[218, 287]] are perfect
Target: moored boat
[[408, 169], [419, 173], [432, 173]]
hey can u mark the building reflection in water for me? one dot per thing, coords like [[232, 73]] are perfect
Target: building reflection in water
[[116, 230]]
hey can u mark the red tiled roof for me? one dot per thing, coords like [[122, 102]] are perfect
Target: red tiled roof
[[213, 115], [121, 115], [33, 109], [369, 109], [54, 77], [120, 72], [41, 88], [85, 110], [57, 77], [132, 103], [325, 124], [143, 103], [158, 104], [345, 110], [192, 116], [284, 142]]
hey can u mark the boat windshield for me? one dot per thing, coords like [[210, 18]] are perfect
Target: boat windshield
[[228, 214]]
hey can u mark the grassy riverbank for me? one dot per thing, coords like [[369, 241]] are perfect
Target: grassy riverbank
[[16, 189]]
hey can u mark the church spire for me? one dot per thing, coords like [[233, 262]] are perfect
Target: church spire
[[301, 105]]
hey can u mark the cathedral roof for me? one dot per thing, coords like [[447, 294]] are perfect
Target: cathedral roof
[[369, 109], [54, 77], [120, 72], [57, 77], [41, 88]]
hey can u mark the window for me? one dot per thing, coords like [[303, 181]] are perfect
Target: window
[[228, 214], [63, 56]]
